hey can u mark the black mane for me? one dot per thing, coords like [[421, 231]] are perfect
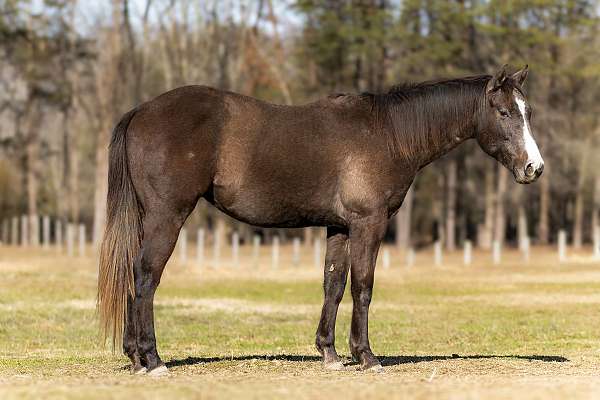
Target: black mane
[[418, 116]]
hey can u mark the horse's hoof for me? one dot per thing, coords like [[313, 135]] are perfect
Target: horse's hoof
[[159, 371], [334, 366], [140, 371], [377, 369]]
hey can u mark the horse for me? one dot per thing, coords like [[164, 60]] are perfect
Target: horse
[[344, 162]]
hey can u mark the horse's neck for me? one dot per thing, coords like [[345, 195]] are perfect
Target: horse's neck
[[453, 137], [443, 130]]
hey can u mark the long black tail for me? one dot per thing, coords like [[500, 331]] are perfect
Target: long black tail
[[122, 238]]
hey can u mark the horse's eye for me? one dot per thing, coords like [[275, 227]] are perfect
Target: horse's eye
[[504, 112]]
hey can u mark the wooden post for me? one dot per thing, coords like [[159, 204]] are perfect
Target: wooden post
[[437, 253], [81, 242], [70, 235], [255, 250], [496, 256], [183, 245], [34, 224], [562, 246], [275, 253], [200, 247], [58, 235], [386, 258], [525, 250], [296, 251], [317, 254], [235, 249], [410, 257], [216, 249], [467, 256], [597, 242], [24, 230], [14, 231], [46, 232]]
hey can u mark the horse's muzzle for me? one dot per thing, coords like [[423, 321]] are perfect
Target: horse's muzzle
[[530, 173]]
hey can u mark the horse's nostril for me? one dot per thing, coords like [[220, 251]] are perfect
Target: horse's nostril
[[529, 170]]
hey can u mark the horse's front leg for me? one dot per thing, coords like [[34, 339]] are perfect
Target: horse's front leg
[[335, 274], [365, 237]]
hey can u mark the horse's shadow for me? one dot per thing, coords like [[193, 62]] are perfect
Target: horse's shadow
[[386, 361]]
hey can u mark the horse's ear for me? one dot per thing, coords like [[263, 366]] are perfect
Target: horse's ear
[[521, 75], [497, 80]]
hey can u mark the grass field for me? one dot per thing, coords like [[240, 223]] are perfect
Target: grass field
[[507, 331]]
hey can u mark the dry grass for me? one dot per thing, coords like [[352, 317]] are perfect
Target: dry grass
[[516, 331]]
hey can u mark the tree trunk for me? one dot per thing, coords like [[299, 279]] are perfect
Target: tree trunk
[[32, 156], [438, 210], [451, 206], [543, 230], [403, 221], [578, 212], [596, 205], [522, 225], [500, 223], [578, 220], [108, 85], [485, 241]]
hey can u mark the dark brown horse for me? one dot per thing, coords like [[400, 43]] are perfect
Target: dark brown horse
[[344, 162]]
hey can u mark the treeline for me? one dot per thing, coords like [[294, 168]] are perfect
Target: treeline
[[70, 69]]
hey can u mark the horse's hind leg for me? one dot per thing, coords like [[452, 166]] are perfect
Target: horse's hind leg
[[335, 276], [129, 340], [161, 229]]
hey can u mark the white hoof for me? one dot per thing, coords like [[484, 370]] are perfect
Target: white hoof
[[334, 366], [140, 371], [159, 371], [378, 369]]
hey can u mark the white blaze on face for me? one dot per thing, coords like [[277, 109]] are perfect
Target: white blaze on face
[[533, 153]]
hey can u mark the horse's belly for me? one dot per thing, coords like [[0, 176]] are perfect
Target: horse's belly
[[271, 208]]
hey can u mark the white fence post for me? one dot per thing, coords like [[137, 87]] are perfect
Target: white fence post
[[216, 249], [468, 250], [58, 236], [437, 253], [296, 251], [562, 246], [275, 253], [24, 230], [81, 240], [410, 257], [255, 250], [526, 247], [183, 246], [597, 242], [46, 232], [200, 247], [235, 249], [14, 231], [70, 239], [496, 252], [317, 253], [35, 230], [386, 258]]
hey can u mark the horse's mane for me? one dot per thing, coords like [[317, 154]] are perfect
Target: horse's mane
[[417, 116]]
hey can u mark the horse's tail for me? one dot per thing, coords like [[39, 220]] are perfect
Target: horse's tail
[[122, 238]]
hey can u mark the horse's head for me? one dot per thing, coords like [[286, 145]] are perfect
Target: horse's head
[[504, 131]]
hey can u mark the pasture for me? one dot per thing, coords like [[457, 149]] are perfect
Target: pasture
[[494, 331]]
